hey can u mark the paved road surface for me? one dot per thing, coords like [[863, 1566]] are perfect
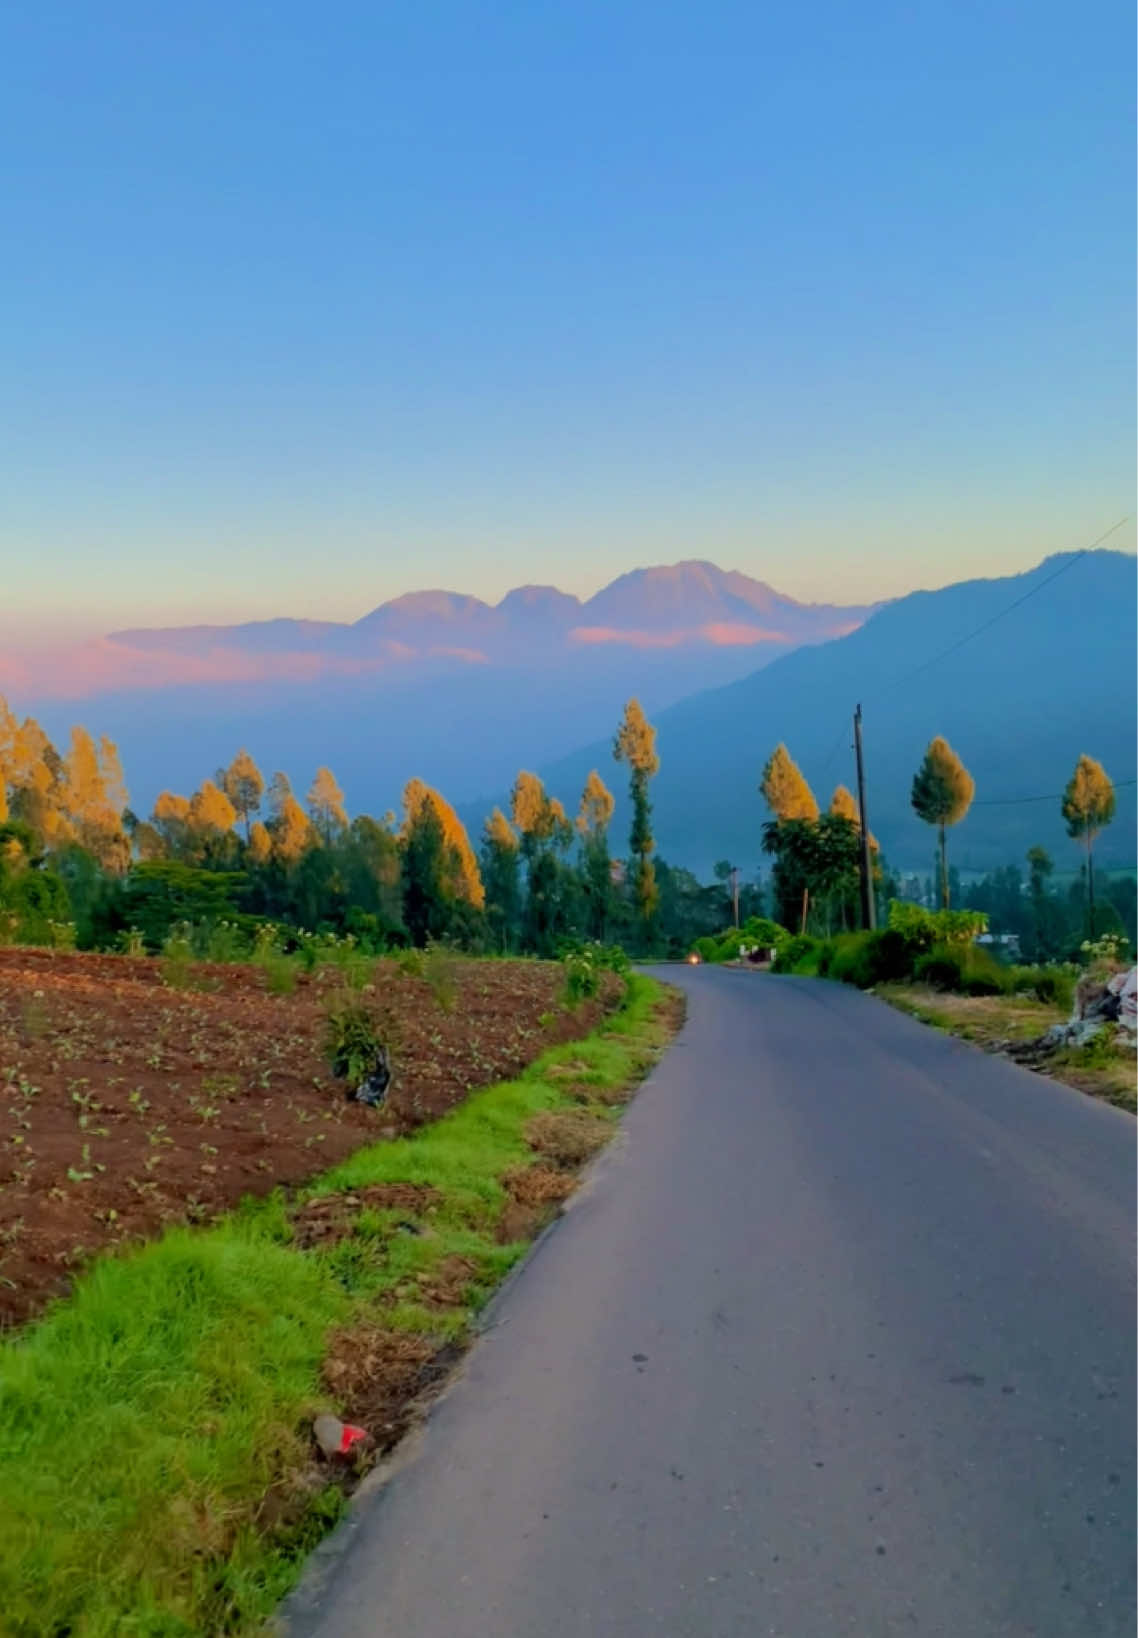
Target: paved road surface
[[839, 1341]]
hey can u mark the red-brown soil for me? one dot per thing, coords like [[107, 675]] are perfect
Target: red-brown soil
[[126, 1105]]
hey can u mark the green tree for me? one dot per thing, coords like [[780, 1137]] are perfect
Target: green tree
[[635, 745], [727, 875], [1039, 871], [544, 832], [425, 899], [597, 806], [816, 866], [1088, 807], [942, 794], [501, 879]]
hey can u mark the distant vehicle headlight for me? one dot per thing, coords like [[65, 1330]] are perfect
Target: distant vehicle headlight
[[693, 959]]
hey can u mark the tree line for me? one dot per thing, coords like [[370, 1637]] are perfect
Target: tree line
[[73, 851], [817, 856]]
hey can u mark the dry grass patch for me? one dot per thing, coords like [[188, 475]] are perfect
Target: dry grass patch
[[535, 1194], [569, 1139], [1012, 1025], [333, 1217], [984, 1019], [377, 1375], [538, 1185]]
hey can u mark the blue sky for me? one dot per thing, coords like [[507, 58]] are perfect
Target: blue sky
[[305, 306]]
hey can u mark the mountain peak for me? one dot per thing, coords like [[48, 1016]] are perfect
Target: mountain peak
[[540, 602], [425, 605]]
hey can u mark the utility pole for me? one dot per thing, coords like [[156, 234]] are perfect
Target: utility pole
[[868, 906], [735, 891]]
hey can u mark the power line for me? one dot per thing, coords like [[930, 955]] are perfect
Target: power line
[[842, 737], [1017, 801]]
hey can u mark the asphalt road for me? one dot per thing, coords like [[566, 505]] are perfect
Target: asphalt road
[[839, 1340]]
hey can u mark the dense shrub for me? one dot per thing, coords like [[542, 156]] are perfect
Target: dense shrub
[[1053, 985], [762, 933], [891, 956], [847, 959], [584, 964], [941, 969], [351, 1037], [963, 968], [867, 959], [33, 906], [798, 954], [914, 923], [756, 933]]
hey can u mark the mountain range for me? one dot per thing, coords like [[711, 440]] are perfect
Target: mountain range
[[1021, 674], [691, 605], [447, 687]]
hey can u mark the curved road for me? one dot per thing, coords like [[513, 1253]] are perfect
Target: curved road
[[839, 1340]]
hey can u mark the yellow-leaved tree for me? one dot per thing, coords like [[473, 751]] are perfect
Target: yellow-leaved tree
[[93, 797], [170, 818], [9, 754], [499, 832], [1088, 807], [635, 745], [843, 805], [784, 788], [593, 820], [260, 843], [210, 821], [539, 817], [289, 826], [460, 874], [597, 806], [244, 785], [440, 872], [33, 774], [326, 805], [942, 794]]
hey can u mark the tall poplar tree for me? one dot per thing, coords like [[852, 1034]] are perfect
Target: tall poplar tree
[[942, 794], [1088, 807]]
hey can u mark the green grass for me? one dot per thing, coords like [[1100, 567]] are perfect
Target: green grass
[[144, 1421]]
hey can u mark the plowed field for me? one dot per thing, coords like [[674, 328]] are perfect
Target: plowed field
[[126, 1104]]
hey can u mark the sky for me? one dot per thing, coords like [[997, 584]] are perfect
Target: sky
[[303, 307]]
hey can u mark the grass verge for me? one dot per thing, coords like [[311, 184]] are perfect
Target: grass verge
[[157, 1475], [1008, 1024]]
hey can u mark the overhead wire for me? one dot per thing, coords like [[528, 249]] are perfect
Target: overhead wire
[[1076, 557], [1016, 801]]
